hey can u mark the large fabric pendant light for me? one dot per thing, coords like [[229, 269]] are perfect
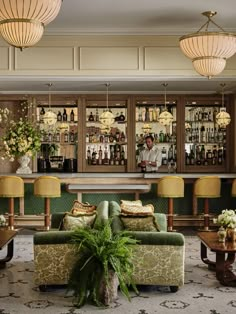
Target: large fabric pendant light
[[209, 50], [22, 21]]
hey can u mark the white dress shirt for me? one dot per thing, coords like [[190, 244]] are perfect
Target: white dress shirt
[[152, 155]]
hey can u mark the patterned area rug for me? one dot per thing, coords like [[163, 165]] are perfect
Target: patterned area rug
[[201, 293]]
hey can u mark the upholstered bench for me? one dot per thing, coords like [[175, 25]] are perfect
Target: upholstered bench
[[54, 255], [159, 257]]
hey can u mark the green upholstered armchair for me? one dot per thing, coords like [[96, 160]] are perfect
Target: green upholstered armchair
[[54, 255], [159, 258]]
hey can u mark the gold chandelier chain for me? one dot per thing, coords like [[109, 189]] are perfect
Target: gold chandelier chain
[[208, 23]]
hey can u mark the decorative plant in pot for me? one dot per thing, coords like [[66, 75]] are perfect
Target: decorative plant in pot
[[105, 260], [22, 140]]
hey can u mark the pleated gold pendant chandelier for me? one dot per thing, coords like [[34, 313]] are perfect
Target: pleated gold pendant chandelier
[[22, 22], [207, 49]]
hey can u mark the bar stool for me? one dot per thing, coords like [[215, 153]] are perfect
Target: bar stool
[[233, 191], [170, 187], [207, 187], [11, 187], [47, 187]]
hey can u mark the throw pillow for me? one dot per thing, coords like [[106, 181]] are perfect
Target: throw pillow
[[137, 203], [147, 223], [79, 208], [82, 221], [146, 210]]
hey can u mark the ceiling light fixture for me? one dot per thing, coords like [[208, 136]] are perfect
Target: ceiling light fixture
[[165, 117], [22, 22], [49, 118], [209, 50], [107, 118], [223, 117]]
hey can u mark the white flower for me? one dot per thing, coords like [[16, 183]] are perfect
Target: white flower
[[227, 218], [2, 220]]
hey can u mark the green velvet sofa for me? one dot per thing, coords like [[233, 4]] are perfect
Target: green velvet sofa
[[159, 257], [54, 255]]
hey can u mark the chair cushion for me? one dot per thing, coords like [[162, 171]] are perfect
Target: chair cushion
[[135, 210], [139, 223], [84, 220], [79, 208], [131, 203]]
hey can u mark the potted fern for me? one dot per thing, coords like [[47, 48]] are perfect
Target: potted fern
[[104, 261]]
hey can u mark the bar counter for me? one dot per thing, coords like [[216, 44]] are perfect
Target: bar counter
[[91, 186]]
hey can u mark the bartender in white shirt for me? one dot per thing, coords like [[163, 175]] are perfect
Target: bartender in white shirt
[[149, 158]]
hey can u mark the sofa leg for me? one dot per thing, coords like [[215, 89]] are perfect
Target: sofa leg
[[174, 288], [42, 288]]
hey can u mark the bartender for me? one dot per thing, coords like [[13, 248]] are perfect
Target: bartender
[[149, 158]]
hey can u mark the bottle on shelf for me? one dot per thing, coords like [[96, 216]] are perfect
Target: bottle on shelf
[[72, 116], [64, 116], [94, 157], [112, 161], [100, 156], [122, 156], [91, 117], [66, 136], [164, 156], [97, 115], [106, 159], [59, 116], [58, 137], [72, 136], [41, 115], [89, 157]]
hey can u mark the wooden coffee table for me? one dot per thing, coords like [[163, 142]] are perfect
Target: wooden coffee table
[[7, 238], [223, 263]]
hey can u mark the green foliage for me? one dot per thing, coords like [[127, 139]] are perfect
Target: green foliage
[[100, 251]]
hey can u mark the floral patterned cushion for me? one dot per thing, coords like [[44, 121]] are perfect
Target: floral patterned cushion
[[80, 208], [146, 210], [70, 221], [131, 203], [138, 223]]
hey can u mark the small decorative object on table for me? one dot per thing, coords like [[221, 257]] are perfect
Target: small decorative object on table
[[221, 234], [227, 220], [2, 221]]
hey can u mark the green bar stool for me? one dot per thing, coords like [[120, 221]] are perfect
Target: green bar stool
[[11, 187], [47, 187]]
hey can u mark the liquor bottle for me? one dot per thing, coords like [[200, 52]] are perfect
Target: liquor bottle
[[91, 117], [100, 156], [220, 156], [122, 156], [58, 137], [164, 156], [41, 114], [122, 137], [97, 115], [72, 136], [170, 153], [203, 155], [112, 161], [106, 159], [72, 116], [59, 116], [64, 116], [187, 159], [161, 137], [94, 157], [192, 157], [66, 137], [49, 137], [147, 117], [89, 159]]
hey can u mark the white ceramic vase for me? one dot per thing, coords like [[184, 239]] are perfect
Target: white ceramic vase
[[24, 165]]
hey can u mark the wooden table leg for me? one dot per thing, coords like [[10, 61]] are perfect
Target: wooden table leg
[[206, 214], [204, 258], [10, 249], [47, 213], [11, 213], [225, 276]]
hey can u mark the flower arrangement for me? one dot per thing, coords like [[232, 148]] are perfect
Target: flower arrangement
[[21, 138], [2, 220], [227, 218]]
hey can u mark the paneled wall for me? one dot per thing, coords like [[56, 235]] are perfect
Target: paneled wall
[[102, 55]]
